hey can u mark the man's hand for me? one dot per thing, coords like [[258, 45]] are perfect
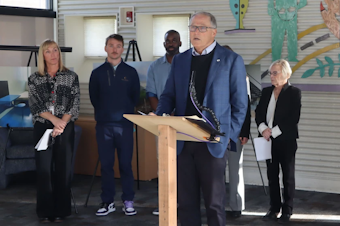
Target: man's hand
[[267, 133], [152, 114], [243, 140]]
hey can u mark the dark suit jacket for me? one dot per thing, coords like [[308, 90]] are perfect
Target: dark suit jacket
[[225, 93], [246, 124], [287, 111]]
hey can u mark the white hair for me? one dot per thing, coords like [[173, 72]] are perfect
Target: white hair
[[285, 67], [212, 18]]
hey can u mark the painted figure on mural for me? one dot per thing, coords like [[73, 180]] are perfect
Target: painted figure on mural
[[239, 9], [329, 16], [284, 20]]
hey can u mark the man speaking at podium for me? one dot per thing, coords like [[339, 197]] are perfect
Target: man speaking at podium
[[210, 80]]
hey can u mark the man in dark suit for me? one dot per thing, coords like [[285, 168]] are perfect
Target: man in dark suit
[[218, 78]]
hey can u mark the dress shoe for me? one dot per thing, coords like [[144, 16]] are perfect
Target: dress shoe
[[270, 216], [285, 217], [58, 220], [44, 220], [235, 214]]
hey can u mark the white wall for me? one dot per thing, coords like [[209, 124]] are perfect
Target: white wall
[[16, 77], [19, 30], [74, 37], [144, 37]]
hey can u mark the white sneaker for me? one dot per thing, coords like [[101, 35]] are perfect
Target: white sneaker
[[105, 209], [156, 212], [128, 208]]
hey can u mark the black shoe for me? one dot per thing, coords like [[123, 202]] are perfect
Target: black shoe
[[270, 216], [44, 220], [58, 220], [235, 214], [285, 217]]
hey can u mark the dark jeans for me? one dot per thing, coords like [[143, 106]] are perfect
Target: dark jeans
[[283, 153], [198, 169], [54, 167], [109, 138]]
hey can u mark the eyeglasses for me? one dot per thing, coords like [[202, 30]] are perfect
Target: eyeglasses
[[193, 28], [274, 73]]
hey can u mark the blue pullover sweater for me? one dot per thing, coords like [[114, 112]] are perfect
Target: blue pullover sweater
[[114, 93]]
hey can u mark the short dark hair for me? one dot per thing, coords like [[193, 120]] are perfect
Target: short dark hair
[[172, 32], [115, 36]]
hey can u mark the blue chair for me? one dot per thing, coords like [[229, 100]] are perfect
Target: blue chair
[[17, 153]]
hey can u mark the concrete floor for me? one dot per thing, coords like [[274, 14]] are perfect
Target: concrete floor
[[17, 206]]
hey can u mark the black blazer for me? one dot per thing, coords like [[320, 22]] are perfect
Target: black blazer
[[246, 124], [287, 111]]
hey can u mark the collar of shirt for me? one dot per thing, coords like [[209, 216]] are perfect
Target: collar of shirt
[[205, 51], [165, 60], [114, 66]]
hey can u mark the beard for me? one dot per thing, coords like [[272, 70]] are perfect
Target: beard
[[172, 51]]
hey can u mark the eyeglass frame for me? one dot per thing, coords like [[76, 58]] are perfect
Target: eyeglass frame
[[274, 74], [199, 28]]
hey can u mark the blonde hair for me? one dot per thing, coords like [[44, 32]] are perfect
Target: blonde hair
[[41, 61], [285, 67]]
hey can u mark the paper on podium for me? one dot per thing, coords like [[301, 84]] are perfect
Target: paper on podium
[[43, 142], [263, 149]]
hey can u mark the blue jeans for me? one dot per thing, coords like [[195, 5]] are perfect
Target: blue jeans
[[111, 137]]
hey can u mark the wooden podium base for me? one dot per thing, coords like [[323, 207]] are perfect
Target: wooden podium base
[[167, 182]]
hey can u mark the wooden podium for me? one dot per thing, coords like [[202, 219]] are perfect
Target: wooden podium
[[168, 129]]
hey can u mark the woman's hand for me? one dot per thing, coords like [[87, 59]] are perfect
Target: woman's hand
[[57, 132], [267, 133], [243, 140], [59, 123]]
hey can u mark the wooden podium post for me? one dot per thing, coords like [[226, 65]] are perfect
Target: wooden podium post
[[167, 181], [168, 129]]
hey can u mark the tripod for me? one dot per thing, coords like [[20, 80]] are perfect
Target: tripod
[[134, 45]]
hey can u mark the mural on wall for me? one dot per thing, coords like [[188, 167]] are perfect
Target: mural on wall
[[329, 16], [239, 9], [284, 20], [322, 68], [317, 40], [284, 13]]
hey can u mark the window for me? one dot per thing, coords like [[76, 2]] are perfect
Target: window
[[163, 23], [35, 4], [96, 30]]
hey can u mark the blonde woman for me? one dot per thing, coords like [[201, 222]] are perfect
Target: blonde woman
[[277, 118], [54, 103]]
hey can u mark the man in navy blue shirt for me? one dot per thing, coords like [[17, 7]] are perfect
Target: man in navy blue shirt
[[114, 90]]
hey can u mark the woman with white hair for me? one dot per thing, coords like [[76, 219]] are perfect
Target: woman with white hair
[[54, 104], [277, 118]]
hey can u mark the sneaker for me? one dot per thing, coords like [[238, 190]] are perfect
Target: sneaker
[[128, 208], [156, 212], [105, 209]]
